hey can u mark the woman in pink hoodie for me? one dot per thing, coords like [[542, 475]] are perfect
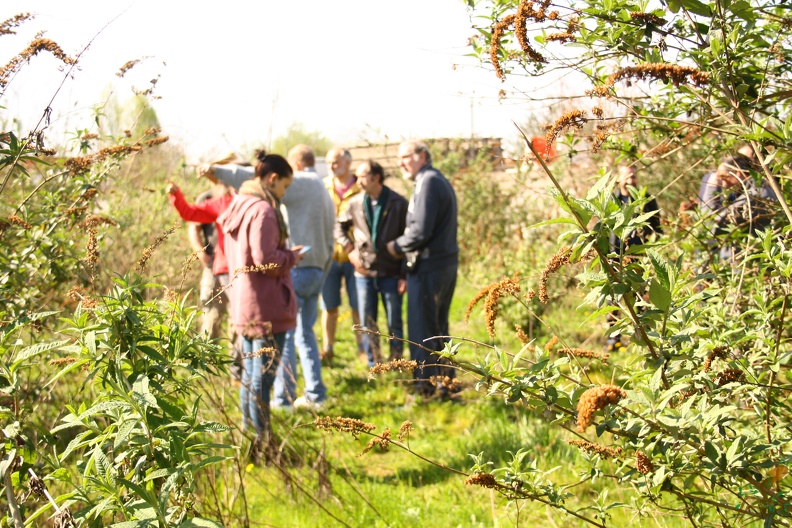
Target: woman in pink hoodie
[[264, 306]]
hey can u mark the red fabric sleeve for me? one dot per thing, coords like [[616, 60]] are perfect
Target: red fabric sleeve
[[204, 213]]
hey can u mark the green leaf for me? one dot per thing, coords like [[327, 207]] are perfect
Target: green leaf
[[663, 268], [715, 46], [29, 352], [712, 453], [559, 220], [142, 394], [77, 442], [103, 466], [8, 459], [72, 366], [599, 186], [61, 474], [216, 459], [90, 342], [734, 449], [123, 432], [659, 296], [214, 427], [102, 407], [597, 314], [657, 380], [160, 473], [139, 490], [198, 522], [697, 7]]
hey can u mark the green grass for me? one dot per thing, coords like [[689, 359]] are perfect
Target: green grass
[[324, 478]]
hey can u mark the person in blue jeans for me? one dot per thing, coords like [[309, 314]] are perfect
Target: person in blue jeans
[[429, 246], [310, 214], [254, 393], [263, 303], [364, 229]]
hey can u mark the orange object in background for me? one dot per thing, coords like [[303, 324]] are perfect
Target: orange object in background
[[540, 145]]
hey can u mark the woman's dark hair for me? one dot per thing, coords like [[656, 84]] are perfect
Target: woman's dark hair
[[269, 163]]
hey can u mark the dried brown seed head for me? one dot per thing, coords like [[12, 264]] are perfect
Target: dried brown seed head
[[343, 425], [401, 365], [581, 352], [484, 480], [654, 71], [595, 399], [602, 451], [555, 263], [405, 430], [643, 464]]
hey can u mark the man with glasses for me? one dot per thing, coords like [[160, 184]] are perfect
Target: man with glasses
[[429, 246]]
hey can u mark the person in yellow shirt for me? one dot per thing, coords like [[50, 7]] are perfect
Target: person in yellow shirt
[[342, 186]]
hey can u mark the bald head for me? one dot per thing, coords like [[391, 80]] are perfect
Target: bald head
[[301, 157], [413, 156]]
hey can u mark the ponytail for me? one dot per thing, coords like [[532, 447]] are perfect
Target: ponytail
[[269, 163]]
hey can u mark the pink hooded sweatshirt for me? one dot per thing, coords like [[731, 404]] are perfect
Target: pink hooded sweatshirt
[[259, 300]]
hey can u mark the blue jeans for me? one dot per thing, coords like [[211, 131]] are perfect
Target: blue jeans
[[429, 297], [331, 290], [307, 285], [258, 373], [387, 288]]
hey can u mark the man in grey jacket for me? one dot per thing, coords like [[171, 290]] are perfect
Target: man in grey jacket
[[310, 214], [429, 244]]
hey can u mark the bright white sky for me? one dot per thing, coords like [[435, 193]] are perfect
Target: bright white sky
[[231, 70]]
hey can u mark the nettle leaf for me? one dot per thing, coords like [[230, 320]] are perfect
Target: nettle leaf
[[123, 432], [103, 466], [142, 394], [663, 268]]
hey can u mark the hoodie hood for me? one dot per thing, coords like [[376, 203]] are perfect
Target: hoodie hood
[[231, 219]]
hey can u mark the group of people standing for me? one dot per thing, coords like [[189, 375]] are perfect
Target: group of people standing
[[284, 237]]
